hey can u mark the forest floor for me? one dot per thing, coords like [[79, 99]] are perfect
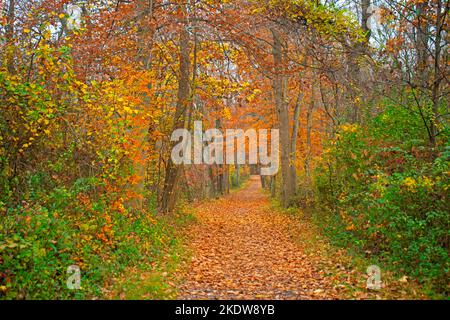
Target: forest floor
[[243, 247]]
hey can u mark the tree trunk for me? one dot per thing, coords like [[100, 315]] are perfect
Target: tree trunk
[[263, 181], [438, 76], [294, 138], [169, 195], [309, 124], [226, 179], [9, 36], [422, 30], [365, 15], [273, 186], [144, 55], [279, 87]]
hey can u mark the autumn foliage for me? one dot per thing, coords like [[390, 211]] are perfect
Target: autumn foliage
[[90, 96]]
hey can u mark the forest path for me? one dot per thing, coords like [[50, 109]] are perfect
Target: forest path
[[244, 249]]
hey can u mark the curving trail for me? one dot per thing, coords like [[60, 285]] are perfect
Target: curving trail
[[243, 249]]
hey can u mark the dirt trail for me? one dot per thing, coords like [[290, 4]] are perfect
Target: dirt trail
[[243, 250]]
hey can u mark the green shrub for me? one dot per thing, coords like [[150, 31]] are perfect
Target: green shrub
[[385, 195], [39, 242]]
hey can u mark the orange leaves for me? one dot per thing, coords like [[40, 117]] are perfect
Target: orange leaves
[[84, 200], [393, 45], [106, 234], [134, 179], [118, 206]]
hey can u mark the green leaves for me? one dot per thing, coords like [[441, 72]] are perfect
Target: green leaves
[[389, 196]]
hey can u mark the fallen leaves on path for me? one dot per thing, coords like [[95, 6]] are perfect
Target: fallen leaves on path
[[244, 249]]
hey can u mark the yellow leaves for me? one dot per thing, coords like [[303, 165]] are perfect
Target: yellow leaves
[[245, 84], [226, 113], [128, 110], [253, 95], [410, 184], [427, 182], [26, 30], [47, 35], [350, 128], [258, 10], [43, 121]]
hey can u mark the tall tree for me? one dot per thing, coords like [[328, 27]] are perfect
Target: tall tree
[[169, 194], [282, 107]]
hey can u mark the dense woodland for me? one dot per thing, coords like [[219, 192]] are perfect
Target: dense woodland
[[90, 95]]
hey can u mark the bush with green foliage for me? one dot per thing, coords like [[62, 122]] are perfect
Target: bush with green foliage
[[384, 192], [41, 238]]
